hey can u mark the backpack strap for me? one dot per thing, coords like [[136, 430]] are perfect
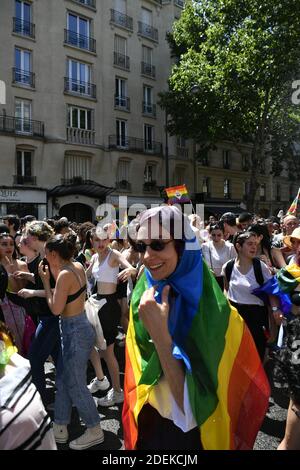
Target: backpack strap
[[228, 269], [258, 271]]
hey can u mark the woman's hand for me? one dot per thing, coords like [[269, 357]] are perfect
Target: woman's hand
[[44, 273], [126, 274], [155, 316], [23, 275], [26, 293]]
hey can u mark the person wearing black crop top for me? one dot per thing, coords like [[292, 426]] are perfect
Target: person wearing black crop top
[[47, 339], [77, 341]]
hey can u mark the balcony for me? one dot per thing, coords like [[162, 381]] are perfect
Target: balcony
[[25, 28], [25, 179], [124, 185], [14, 125], [120, 19], [150, 187], [148, 69], [132, 144], [122, 61], [78, 40], [74, 180], [78, 87], [179, 3], [87, 3], [226, 166], [122, 103], [80, 136], [182, 152], [23, 77], [147, 31], [149, 109]]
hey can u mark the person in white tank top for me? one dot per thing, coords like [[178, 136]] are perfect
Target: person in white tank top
[[104, 268]]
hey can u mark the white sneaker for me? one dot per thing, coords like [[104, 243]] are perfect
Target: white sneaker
[[95, 385], [60, 432], [91, 437], [112, 398]]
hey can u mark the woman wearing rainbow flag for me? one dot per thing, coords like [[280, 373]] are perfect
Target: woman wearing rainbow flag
[[193, 378]]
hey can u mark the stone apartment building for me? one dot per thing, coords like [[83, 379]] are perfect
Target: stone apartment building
[[81, 124]]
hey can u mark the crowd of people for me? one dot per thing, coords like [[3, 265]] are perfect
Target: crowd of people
[[150, 282]]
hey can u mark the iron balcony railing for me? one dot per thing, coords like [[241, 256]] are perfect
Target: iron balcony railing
[[121, 60], [120, 19], [24, 179], [79, 40], [89, 3], [182, 152], [122, 102], [123, 184], [80, 136], [148, 69], [24, 77], [147, 31], [179, 3], [74, 180], [15, 125], [23, 27], [79, 87], [132, 144], [149, 109]]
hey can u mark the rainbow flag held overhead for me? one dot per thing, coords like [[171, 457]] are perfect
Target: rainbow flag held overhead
[[177, 194], [227, 386], [293, 207]]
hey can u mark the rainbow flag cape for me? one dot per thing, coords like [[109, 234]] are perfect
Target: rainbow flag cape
[[227, 386], [293, 207], [177, 194], [281, 285]]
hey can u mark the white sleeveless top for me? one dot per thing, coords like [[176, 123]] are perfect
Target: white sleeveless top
[[103, 272]]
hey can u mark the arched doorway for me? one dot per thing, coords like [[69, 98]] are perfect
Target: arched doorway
[[77, 213]]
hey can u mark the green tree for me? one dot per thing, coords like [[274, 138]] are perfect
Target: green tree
[[243, 55]]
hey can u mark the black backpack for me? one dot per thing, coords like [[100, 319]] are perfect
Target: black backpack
[[257, 271]]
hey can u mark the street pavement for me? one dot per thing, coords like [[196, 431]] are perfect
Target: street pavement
[[269, 436]]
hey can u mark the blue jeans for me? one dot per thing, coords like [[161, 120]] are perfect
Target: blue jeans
[[77, 341], [46, 342]]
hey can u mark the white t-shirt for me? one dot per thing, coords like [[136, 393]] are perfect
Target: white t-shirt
[[241, 285], [215, 258]]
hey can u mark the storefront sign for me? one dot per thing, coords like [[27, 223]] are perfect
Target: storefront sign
[[18, 195]]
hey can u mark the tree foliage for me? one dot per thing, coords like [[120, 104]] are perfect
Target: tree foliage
[[243, 55]]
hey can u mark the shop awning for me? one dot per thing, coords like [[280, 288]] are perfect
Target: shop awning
[[85, 188]]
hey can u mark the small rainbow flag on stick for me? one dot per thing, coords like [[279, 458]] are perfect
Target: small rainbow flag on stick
[[293, 207], [177, 194]]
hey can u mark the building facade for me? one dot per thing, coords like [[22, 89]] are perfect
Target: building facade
[[81, 125]]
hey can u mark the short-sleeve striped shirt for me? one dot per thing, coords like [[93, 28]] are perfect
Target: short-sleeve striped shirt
[[24, 423]]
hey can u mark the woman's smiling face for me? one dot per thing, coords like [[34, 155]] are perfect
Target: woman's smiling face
[[161, 264]]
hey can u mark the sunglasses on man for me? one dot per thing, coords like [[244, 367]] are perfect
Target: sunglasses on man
[[155, 245]]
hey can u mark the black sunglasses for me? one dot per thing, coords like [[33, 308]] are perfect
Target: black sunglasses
[[155, 245]]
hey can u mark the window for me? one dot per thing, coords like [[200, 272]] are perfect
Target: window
[[121, 132], [206, 185], [278, 192], [79, 118], [181, 141], [146, 16], [148, 138], [121, 100], [24, 163], [120, 52], [77, 166], [120, 6], [22, 21], [149, 173], [226, 159], [79, 77], [226, 188], [246, 188], [23, 116], [123, 171], [79, 32], [148, 100], [22, 71], [179, 175], [245, 162], [262, 192], [147, 55]]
